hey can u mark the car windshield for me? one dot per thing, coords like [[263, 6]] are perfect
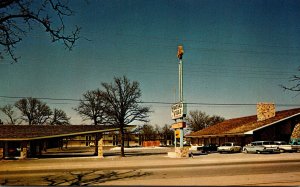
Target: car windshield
[[227, 144]]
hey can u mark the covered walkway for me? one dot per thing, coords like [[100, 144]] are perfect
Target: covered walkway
[[23, 141]]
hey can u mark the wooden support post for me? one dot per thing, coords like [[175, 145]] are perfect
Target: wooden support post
[[5, 149], [43, 147], [96, 144]]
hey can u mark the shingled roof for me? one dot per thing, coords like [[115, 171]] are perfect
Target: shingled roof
[[31, 132], [243, 125]]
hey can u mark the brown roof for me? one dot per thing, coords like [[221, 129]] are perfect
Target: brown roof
[[22, 132], [243, 124]]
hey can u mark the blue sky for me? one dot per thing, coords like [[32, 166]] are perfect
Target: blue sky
[[235, 52]]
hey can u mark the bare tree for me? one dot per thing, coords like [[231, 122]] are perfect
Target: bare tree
[[167, 133], [91, 107], [59, 117], [199, 120], [296, 84], [18, 17], [122, 99], [10, 113], [34, 111], [147, 132], [43, 113]]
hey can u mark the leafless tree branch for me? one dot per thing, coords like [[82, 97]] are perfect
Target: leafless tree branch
[[14, 13]]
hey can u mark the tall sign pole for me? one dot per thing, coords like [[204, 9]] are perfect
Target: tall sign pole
[[180, 92], [179, 55], [178, 111], [179, 108]]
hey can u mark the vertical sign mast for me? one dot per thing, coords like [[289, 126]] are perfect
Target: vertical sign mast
[[180, 68], [179, 55], [178, 111]]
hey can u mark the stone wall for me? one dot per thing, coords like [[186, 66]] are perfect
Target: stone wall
[[265, 111], [296, 132], [23, 153], [100, 148], [24, 149], [182, 152]]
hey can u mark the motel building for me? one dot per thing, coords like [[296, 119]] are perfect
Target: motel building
[[29, 141], [267, 124], [23, 141]]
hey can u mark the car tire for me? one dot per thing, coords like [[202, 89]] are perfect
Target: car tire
[[258, 152], [246, 151]]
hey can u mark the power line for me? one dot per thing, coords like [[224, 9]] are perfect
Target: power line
[[42, 98], [163, 64], [165, 39], [216, 72], [156, 102]]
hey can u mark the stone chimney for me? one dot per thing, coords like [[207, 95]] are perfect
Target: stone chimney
[[265, 111]]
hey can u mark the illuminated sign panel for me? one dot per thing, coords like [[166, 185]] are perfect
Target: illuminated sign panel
[[179, 125]]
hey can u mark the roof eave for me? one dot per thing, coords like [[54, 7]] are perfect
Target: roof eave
[[63, 135], [216, 135], [252, 131]]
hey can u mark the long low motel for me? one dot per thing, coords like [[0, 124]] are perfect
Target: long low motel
[[267, 124]]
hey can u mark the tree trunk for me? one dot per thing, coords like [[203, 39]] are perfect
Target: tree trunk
[[95, 120], [127, 139], [122, 142], [11, 120]]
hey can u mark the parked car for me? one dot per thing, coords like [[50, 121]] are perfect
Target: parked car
[[14, 152], [285, 147], [261, 147], [208, 148], [195, 150], [202, 149], [295, 142], [229, 147]]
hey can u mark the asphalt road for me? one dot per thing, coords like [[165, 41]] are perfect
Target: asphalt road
[[212, 169]]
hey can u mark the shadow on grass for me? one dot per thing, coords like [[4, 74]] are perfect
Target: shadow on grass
[[105, 154], [64, 155], [137, 153], [85, 178]]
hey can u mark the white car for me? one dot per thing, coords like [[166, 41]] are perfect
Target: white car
[[284, 146], [261, 147], [229, 147]]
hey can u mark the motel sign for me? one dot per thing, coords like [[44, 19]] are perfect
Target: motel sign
[[178, 110]]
